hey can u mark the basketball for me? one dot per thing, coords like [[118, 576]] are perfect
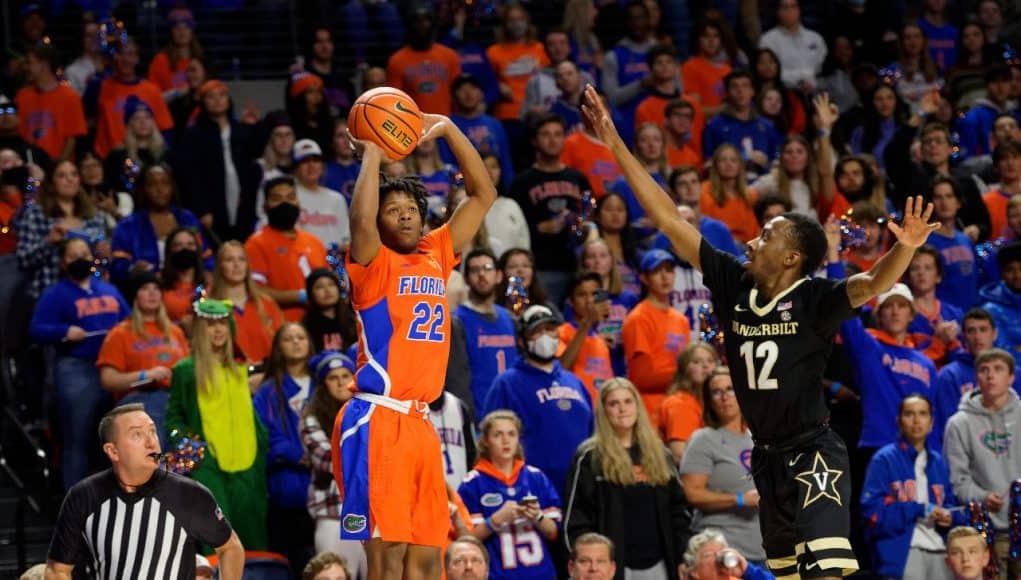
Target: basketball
[[389, 118]]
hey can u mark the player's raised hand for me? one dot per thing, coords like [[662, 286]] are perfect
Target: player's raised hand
[[597, 116], [915, 228], [434, 126], [361, 146]]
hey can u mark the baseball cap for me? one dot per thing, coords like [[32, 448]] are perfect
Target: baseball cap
[[899, 289], [304, 149], [136, 281], [653, 258], [534, 316]]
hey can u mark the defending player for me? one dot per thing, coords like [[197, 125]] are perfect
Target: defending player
[[780, 324], [391, 468]]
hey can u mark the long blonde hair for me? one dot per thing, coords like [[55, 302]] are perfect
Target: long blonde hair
[[616, 285], [218, 291], [716, 182], [487, 424], [206, 360], [810, 175], [155, 144], [661, 162], [612, 456], [162, 319], [574, 24]]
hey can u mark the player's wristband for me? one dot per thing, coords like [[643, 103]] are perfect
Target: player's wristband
[[739, 498], [835, 386], [823, 133], [303, 296], [489, 524], [141, 376]]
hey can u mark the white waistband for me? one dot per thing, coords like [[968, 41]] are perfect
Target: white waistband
[[405, 407]]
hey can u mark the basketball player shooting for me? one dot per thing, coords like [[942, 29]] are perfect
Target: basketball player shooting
[[779, 324], [390, 464]]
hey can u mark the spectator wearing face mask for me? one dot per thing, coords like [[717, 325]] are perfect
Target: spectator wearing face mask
[[280, 254], [74, 315]]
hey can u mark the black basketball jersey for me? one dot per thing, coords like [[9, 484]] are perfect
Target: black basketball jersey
[[776, 349]]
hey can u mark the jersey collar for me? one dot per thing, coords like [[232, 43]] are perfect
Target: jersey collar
[[753, 299], [484, 466]]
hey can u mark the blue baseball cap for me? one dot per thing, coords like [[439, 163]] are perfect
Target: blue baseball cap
[[653, 259]]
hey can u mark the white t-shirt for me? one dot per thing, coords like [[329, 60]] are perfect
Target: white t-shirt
[[324, 215], [924, 536]]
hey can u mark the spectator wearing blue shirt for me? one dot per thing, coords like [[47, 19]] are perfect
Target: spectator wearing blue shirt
[[960, 284], [279, 404], [940, 34], [342, 169], [886, 366], [1003, 299], [74, 315], [976, 127], [907, 500], [488, 327], [739, 125], [936, 327], [686, 188], [483, 130], [552, 402], [138, 239], [568, 105]]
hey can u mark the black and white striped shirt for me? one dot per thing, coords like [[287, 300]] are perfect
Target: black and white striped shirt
[[151, 533]]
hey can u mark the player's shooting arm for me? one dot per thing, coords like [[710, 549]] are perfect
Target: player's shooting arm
[[468, 216], [365, 240], [684, 237], [910, 234]]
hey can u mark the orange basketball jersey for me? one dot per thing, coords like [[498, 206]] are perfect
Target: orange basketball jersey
[[403, 319]]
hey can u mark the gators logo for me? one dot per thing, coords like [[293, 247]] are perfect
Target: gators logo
[[354, 523], [746, 459], [996, 441]]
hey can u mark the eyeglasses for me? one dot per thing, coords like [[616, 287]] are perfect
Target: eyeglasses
[[720, 393], [481, 269]]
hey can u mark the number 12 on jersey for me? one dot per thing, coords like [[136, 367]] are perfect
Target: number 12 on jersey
[[767, 352]]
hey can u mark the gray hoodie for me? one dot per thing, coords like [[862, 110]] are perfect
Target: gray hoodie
[[983, 452]]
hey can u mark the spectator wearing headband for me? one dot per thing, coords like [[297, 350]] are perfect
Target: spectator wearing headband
[[308, 109], [74, 315], [210, 398], [143, 145], [115, 89], [51, 112]]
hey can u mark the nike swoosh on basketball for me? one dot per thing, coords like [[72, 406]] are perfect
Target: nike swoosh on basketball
[[402, 108], [794, 461]]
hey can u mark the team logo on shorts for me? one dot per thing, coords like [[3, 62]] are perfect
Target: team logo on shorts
[[491, 500], [354, 523], [821, 481]]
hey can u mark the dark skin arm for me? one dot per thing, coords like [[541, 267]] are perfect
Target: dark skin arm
[[657, 204]]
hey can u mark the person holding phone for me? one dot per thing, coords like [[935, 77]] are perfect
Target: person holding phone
[[582, 349], [654, 333]]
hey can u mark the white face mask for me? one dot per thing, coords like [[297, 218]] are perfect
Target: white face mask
[[544, 348]]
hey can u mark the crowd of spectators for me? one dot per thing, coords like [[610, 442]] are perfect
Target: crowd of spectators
[[161, 244]]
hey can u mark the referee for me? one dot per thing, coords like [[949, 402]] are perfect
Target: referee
[[136, 520]]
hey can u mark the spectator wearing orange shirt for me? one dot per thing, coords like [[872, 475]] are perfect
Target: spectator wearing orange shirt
[[726, 195], [681, 150], [703, 73], [167, 70], [115, 89], [280, 254], [424, 68], [584, 152], [256, 316], [135, 359], [680, 415], [51, 112], [654, 333], [515, 57], [182, 273], [582, 350], [665, 87], [1007, 160]]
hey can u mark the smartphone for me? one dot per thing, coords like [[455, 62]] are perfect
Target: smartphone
[[530, 499], [602, 295]]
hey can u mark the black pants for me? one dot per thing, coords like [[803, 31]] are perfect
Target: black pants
[[291, 534], [805, 494]]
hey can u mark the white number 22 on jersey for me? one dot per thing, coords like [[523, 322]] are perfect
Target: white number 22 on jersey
[[520, 546], [766, 350]]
